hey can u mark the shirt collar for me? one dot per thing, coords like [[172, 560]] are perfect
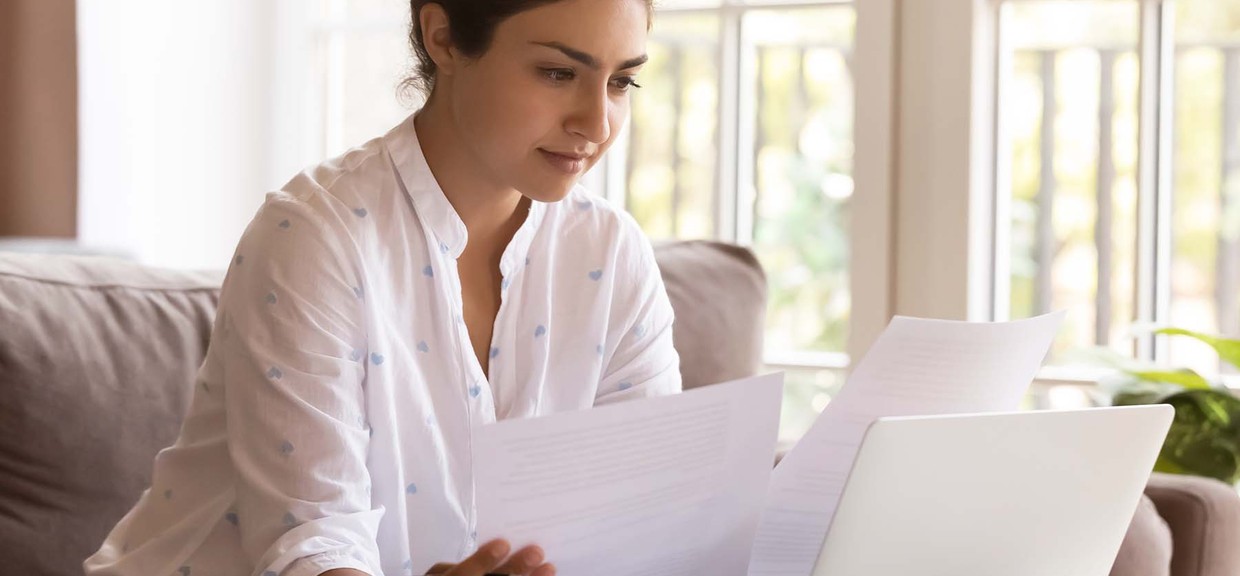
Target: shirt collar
[[433, 208], [429, 201], [518, 249]]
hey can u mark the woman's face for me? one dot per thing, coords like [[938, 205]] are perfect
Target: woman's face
[[549, 96]]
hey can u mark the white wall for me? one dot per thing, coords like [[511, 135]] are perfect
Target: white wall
[[174, 125], [944, 146]]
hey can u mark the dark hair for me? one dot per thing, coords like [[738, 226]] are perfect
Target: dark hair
[[471, 24]]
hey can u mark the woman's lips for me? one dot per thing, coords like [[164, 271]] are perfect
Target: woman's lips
[[566, 164]]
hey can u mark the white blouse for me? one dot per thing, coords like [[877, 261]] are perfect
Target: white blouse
[[332, 420]]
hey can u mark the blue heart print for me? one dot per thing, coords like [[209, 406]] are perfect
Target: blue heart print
[[411, 489], [271, 298], [443, 248], [360, 212], [584, 204], [357, 291], [423, 347], [504, 285], [286, 448], [494, 352], [428, 271], [625, 386], [599, 349], [356, 355], [285, 224], [596, 275], [540, 331], [640, 331], [376, 359], [275, 373], [475, 390]]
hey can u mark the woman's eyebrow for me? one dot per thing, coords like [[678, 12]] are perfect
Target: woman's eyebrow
[[589, 60]]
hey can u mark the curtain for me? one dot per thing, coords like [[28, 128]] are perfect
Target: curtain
[[38, 118]]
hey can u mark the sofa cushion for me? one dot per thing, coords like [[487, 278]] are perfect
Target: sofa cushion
[[97, 360], [1204, 516], [718, 293], [1146, 550]]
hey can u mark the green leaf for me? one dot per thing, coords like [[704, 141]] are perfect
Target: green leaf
[[1228, 348], [1137, 398], [1204, 438], [1185, 377]]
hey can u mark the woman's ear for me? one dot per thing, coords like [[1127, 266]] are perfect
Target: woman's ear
[[437, 37]]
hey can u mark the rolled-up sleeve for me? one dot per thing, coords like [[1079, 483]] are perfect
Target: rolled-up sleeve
[[295, 364], [643, 361]]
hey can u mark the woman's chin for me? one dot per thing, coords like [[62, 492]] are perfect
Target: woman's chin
[[549, 192]]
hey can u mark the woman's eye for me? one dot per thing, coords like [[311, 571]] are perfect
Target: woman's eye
[[623, 84], [558, 74]]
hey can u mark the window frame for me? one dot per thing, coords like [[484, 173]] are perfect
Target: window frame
[[1156, 49], [1156, 99], [871, 260]]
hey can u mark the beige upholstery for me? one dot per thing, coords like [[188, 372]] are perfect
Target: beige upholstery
[[97, 360], [1146, 550], [718, 292], [1205, 523]]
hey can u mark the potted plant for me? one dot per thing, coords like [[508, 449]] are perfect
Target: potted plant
[[1204, 438]]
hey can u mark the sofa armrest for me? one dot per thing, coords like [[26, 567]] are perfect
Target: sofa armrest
[[1204, 517]]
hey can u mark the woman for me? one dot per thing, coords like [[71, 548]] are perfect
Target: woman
[[386, 303]]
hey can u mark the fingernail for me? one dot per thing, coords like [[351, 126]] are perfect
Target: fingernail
[[533, 557]]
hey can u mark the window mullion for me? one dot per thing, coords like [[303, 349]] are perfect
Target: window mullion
[[728, 168], [1154, 172]]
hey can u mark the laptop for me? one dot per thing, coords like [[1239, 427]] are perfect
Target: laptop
[[1003, 494]]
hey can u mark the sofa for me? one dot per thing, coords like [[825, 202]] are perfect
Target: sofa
[[98, 357]]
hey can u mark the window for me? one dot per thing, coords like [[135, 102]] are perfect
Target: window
[[1117, 170], [742, 132]]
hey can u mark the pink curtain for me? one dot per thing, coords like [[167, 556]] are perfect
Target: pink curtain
[[38, 118]]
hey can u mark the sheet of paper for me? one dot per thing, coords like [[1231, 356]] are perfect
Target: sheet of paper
[[916, 367], [663, 486]]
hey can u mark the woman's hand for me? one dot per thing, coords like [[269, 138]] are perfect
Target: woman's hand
[[493, 558]]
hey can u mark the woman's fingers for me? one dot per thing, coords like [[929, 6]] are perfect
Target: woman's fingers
[[523, 562], [483, 561], [544, 570], [490, 559]]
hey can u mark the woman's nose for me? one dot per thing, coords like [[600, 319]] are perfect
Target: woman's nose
[[589, 118]]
